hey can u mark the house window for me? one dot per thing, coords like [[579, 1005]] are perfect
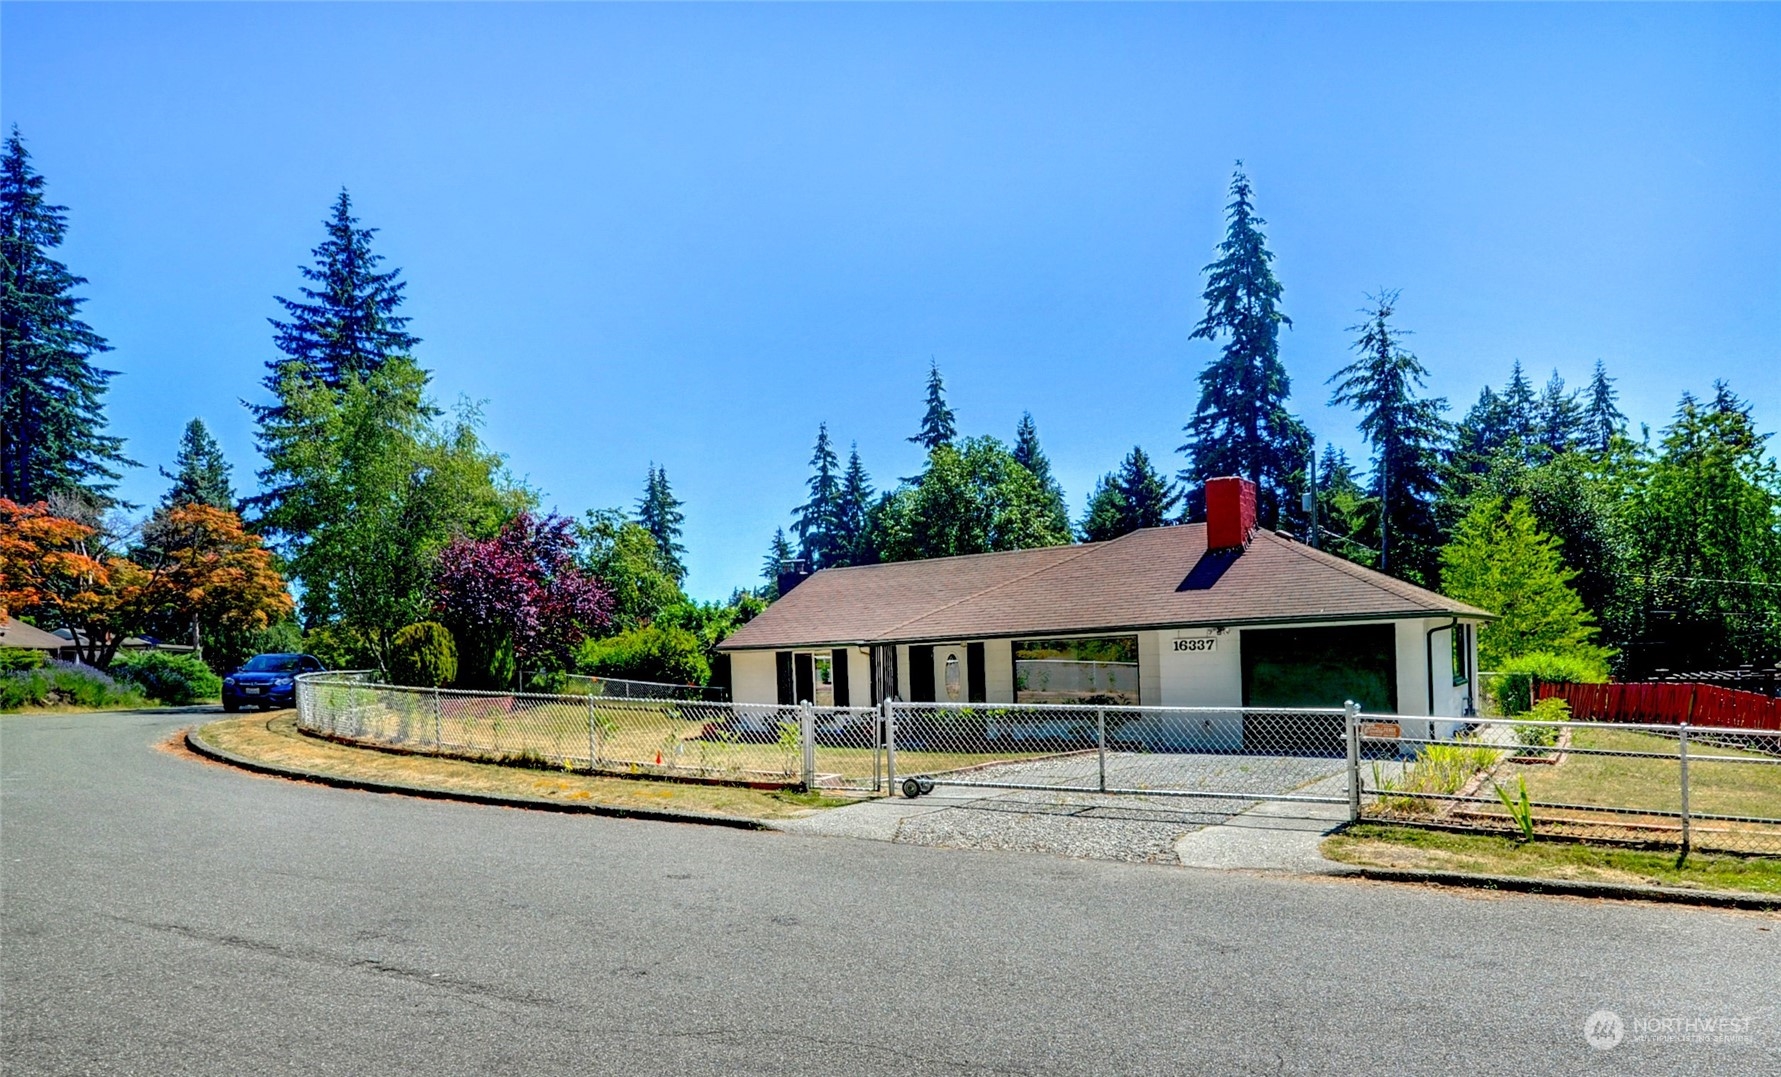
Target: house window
[[954, 683], [1101, 669], [1321, 667], [1462, 654], [825, 681]]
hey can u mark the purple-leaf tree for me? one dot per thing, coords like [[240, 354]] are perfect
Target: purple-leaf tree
[[520, 588]]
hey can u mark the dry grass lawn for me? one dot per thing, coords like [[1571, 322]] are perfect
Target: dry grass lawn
[[274, 739]]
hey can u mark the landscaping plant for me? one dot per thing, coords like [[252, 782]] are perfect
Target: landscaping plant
[[423, 655], [176, 679], [1520, 807]]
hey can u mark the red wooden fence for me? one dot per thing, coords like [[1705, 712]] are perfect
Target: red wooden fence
[[1667, 703]]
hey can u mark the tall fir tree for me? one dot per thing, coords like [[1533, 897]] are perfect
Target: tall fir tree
[[853, 517], [1559, 419], [779, 552], [1602, 418], [348, 322], [200, 473], [1029, 455], [1241, 425], [52, 414], [1521, 409], [939, 425], [1406, 433], [817, 521], [1133, 497], [658, 510]]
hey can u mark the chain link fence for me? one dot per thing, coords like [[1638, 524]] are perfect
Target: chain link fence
[[1685, 786], [551, 682], [1220, 752]]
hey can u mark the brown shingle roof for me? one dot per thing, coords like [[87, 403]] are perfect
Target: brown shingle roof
[[1159, 577], [16, 633]]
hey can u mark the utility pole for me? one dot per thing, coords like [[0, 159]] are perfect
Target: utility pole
[[1310, 499]]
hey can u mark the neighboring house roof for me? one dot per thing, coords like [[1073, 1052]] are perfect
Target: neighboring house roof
[[1155, 578], [16, 633], [71, 636]]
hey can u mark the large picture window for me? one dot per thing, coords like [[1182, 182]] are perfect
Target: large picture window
[[1103, 669], [1321, 667]]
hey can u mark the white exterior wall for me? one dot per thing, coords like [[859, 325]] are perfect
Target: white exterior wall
[[753, 677], [1177, 667]]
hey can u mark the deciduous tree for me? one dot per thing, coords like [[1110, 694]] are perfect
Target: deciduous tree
[[520, 590]]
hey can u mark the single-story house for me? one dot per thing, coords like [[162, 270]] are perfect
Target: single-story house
[[16, 633], [74, 638], [1214, 614]]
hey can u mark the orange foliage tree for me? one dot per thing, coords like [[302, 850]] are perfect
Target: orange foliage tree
[[195, 563], [45, 564]]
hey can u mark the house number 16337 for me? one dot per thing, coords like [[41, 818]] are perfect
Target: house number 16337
[[1206, 643]]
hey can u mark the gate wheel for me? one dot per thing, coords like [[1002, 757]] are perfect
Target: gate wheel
[[912, 788]]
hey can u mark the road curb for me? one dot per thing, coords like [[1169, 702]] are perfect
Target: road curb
[[1568, 888], [497, 800]]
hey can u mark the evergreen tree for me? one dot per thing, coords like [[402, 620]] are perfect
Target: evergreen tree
[[818, 520], [200, 474], [853, 517], [658, 510], [346, 325], [52, 417], [778, 554], [1406, 434], [938, 425], [1134, 497], [973, 498], [1559, 420], [1346, 516], [1521, 409], [1029, 455], [1706, 542], [1602, 419], [1499, 560], [1241, 426]]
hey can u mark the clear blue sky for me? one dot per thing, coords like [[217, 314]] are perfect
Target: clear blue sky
[[687, 234]]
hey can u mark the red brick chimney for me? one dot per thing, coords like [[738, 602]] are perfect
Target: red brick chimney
[[1230, 513]]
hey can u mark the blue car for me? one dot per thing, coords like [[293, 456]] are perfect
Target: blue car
[[267, 680]]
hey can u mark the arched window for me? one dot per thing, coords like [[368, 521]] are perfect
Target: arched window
[[954, 683]]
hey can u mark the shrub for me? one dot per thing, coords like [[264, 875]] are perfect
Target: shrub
[[1541, 735], [177, 679], [339, 647], [58, 683], [1514, 689], [424, 656], [655, 653], [14, 659]]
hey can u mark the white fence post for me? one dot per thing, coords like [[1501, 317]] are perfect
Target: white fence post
[[890, 745], [807, 738], [1101, 743], [1682, 743], [1351, 715], [593, 735], [438, 723]]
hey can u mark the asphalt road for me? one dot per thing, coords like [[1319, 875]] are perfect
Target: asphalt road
[[164, 916]]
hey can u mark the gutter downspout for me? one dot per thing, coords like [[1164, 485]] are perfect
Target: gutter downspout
[[1428, 646]]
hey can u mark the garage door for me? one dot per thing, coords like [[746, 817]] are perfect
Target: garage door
[[1315, 667]]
